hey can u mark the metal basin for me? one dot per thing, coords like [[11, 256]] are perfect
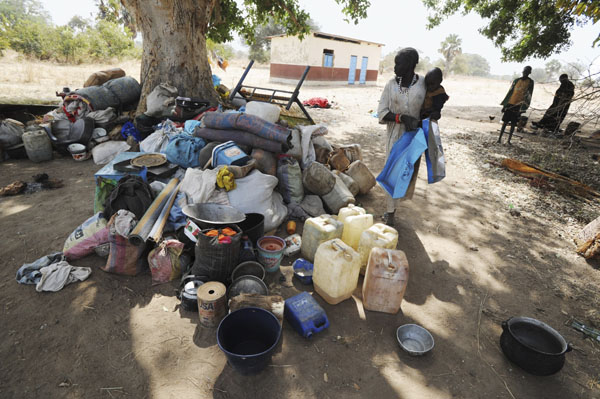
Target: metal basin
[[247, 285], [414, 339], [213, 214]]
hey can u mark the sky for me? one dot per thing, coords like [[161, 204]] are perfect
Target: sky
[[397, 23]]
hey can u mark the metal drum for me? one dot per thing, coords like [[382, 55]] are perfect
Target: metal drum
[[212, 303]]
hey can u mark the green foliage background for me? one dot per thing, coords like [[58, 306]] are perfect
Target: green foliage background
[[26, 27]]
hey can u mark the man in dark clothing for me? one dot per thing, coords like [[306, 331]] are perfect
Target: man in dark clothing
[[516, 102], [555, 115]]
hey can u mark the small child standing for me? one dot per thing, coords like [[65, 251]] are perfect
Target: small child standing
[[436, 96]]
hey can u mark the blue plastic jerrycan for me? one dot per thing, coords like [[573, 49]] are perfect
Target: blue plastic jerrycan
[[305, 314]]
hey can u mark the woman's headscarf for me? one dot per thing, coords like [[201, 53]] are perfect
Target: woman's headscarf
[[409, 54]]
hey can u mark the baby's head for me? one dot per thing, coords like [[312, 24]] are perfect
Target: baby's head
[[433, 79]]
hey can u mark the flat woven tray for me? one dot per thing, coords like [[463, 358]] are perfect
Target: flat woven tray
[[149, 160]]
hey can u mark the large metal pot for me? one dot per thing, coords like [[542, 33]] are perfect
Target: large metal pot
[[533, 345]]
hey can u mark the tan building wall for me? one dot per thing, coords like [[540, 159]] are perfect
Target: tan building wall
[[289, 57]]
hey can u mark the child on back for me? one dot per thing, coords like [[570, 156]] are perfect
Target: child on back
[[436, 96]]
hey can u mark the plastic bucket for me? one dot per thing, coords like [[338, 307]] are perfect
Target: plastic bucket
[[248, 338], [253, 226], [270, 252], [78, 152]]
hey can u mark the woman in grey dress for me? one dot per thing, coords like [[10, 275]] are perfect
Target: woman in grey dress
[[399, 109]]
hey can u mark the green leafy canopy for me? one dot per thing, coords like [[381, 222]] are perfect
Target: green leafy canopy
[[522, 28], [228, 18]]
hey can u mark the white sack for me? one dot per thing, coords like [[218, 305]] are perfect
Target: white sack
[[106, 152], [255, 194]]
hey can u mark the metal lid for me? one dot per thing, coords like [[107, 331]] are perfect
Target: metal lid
[[211, 291]]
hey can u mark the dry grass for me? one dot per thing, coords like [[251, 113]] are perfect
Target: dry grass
[[23, 80]]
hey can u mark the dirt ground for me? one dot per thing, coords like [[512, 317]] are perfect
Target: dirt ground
[[472, 265]]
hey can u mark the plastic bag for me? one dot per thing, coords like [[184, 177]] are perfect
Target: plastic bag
[[161, 101], [436, 163], [164, 261], [11, 132], [290, 180], [124, 257], [254, 194], [90, 234], [106, 152], [216, 260], [155, 142], [266, 111]]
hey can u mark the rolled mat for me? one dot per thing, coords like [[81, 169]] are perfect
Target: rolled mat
[[142, 230], [159, 226], [241, 137], [248, 123]]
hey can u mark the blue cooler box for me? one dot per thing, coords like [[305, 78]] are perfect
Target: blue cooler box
[[305, 314], [229, 153]]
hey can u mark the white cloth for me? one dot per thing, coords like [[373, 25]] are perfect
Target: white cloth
[[124, 223], [199, 185], [57, 275], [308, 149]]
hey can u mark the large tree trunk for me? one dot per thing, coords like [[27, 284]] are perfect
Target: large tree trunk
[[174, 35]]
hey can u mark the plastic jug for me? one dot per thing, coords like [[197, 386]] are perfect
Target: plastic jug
[[377, 236], [362, 175], [354, 227], [305, 315], [385, 280], [350, 210], [318, 179], [37, 144], [351, 185], [316, 231], [335, 274], [339, 197], [353, 152]]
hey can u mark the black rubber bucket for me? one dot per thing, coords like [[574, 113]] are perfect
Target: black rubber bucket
[[248, 337], [253, 226]]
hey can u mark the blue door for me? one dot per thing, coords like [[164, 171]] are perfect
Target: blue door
[[352, 71], [363, 70]]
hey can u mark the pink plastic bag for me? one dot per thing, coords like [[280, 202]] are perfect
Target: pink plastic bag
[[90, 234], [164, 261]]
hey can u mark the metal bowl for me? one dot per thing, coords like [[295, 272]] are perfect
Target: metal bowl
[[247, 285], [213, 214], [414, 339], [248, 268]]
